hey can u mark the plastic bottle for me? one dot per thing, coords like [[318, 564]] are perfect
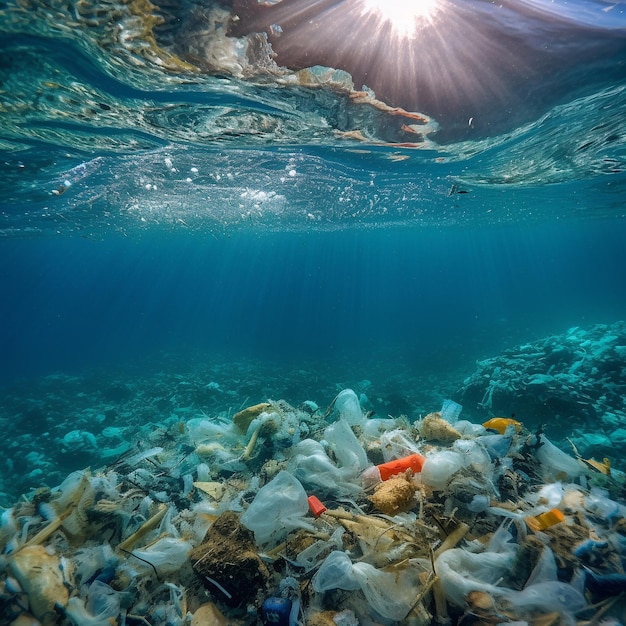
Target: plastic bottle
[[377, 473]]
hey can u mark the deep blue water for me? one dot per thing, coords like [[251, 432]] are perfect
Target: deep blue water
[[437, 298]]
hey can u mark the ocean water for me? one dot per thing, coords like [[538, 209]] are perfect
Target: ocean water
[[308, 188]]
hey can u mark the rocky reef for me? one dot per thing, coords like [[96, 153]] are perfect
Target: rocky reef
[[573, 383]]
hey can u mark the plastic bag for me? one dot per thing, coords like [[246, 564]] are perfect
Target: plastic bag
[[346, 446], [101, 608], [556, 462], [548, 597], [348, 406], [277, 508], [392, 595], [335, 573], [311, 465], [440, 467], [167, 555]]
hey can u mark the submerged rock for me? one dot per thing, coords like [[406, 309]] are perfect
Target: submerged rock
[[577, 377]]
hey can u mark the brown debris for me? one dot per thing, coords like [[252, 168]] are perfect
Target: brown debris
[[227, 562]]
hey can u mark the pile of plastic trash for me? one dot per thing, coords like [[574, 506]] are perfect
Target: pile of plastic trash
[[296, 516]]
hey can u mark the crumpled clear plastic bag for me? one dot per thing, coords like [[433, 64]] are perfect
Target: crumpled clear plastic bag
[[391, 595], [348, 406], [335, 573], [101, 608], [440, 466], [167, 555], [346, 447], [311, 465], [277, 508]]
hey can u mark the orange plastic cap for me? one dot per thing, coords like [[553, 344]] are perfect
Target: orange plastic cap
[[317, 508], [413, 462]]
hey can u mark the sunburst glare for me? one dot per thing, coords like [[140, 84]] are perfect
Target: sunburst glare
[[405, 18]]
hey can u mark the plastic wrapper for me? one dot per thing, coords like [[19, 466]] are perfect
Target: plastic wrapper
[[309, 557], [450, 411]]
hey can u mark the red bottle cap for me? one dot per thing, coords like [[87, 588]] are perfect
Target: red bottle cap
[[317, 508]]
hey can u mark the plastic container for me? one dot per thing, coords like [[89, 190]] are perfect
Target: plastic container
[[377, 473]]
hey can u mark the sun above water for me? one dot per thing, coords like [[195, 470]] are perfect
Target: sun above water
[[404, 16]]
